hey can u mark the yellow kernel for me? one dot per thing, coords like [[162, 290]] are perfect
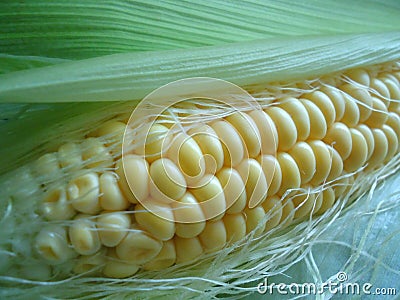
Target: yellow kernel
[[157, 139], [189, 217], [369, 138], [273, 173], [113, 227], [213, 237], [328, 199], [211, 147], [380, 149], [70, 156], [268, 132], [337, 164], [210, 195], [379, 114], [323, 162], [234, 190], [90, 264], [362, 96], [318, 125], [339, 137], [393, 142], [111, 197], [52, 245], [305, 160], [394, 90], [325, 105], [164, 259], [248, 131], [394, 122], [273, 208], [113, 133], [235, 225], [47, 166], [156, 218], [337, 100], [187, 249], [288, 211], [138, 247], [286, 128], [187, 156], [351, 115], [168, 183], [117, 268], [55, 205], [95, 154], [341, 185], [84, 236], [254, 216], [360, 76], [83, 192], [231, 142], [304, 202], [255, 182], [381, 91], [299, 114], [291, 178], [359, 152]]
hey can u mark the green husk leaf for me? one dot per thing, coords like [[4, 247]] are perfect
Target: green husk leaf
[[133, 75], [78, 30], [11, 63]]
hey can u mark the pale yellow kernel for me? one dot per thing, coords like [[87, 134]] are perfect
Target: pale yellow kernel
[[84, 235], [188, 157], [47, 167], [337, 100], [369, 138], [341, 185], [393, 142], [234, 190], [90, 264], [248, 131], [52, 245], [325, 105], [113, 227], [273, 173], [254, 217], [189, 217], [211, 147], [288, 210], [133, 173], [380, 149], [304, 202], [351, 115], [70, 156], [156, 218], [339, 137], [255, 182], [319, 198], [291, 178], [380, 90], [394, 122], [323, 162], [299, 114], [235, 225], [213, 237], [337, 164], [362, 96], [328, 199], [167, 181], [273, 208], [318, 125], [286, 128], [155, 142], [55, 205], [83, 192], [379, 114], [164, 259], [268, 132], [394, 90], [305, 160], [112, 132], [138, 247], [359, 152], [360, 76], [210, 195], [95, 154], [117, 268], [111, 196], [187, 249], [231, 142]]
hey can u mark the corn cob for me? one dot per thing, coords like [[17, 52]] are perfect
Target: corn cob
[[263, 169]]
